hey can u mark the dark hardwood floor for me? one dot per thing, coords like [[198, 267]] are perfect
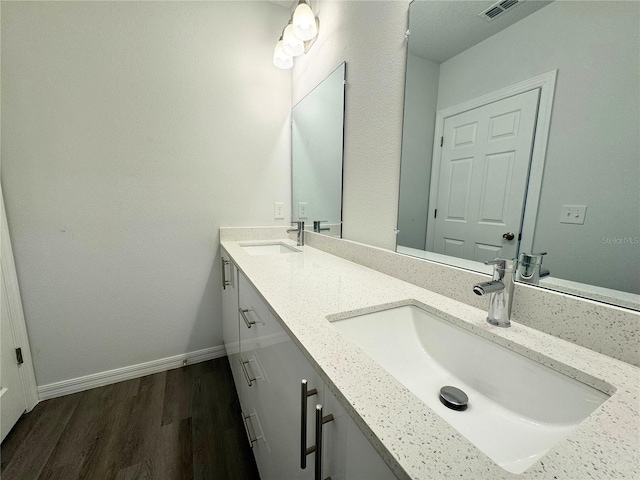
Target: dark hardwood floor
[[180, 424]]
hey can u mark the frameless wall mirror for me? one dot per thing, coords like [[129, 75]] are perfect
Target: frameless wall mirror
[[316, 150], [521, 139]]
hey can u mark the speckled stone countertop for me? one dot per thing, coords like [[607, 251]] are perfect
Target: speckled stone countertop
[[303, 289]]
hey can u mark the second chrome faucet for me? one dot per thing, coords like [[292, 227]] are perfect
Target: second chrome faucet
[[500, 290], [299, 230]]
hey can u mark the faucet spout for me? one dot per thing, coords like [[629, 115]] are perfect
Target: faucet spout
[[500, 290], [488, 287]]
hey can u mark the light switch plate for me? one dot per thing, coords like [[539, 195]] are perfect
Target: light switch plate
[[573, 214], [302, 210], [278, 210]]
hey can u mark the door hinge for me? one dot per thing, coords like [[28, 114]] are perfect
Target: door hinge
[[19, 356], [435, 213], [441, 141]]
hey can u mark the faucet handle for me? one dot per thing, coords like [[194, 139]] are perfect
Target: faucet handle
[[507, 264], [495, 261], [533, 254], [531, 258]]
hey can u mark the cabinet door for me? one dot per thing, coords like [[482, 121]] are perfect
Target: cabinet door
[[285, 367], [347, 454]]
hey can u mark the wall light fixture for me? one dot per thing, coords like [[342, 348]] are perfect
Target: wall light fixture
[[297, 37]]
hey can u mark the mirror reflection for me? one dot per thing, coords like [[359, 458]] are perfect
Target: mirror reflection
[[316, 149], [521, 140]]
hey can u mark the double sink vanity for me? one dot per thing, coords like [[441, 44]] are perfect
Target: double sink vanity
[[332, 357]]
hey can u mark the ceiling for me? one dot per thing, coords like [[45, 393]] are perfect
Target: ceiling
[[285, 3], [442, 29]]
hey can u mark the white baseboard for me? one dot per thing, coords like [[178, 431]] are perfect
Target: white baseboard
[[74, 385]]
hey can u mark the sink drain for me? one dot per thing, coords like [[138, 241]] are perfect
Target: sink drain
[[453, 398]]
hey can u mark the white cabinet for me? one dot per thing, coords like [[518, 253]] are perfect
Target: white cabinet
[[270, 370]]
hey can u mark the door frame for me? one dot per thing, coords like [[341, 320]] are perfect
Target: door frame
[[16, 314], [546, 83]]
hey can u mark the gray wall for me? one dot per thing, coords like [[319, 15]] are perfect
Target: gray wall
[[130, 132], [593, 155], [421, 89]]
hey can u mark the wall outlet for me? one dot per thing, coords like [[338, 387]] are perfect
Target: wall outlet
[[278, 210], [302, 210], [573, 214]]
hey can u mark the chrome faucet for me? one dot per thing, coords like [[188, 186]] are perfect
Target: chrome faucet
[[299, 230], [530, 268], [500, 289], [318, 228]]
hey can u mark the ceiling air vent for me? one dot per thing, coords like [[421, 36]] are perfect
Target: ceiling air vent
[[498, 9]]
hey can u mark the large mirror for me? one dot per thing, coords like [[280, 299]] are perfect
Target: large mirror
[[317, 135], [522, 136]]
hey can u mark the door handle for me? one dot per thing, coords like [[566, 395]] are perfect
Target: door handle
[[304, 451], [320, 421], [508, 236]]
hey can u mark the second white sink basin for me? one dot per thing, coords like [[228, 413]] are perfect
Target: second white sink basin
[[517, 408], [268, 249]]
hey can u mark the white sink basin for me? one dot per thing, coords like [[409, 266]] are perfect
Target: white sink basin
[[268, 249], [517, 409]]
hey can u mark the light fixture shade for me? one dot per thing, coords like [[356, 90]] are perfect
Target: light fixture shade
[[281, 59], [304, 22], [292, 46]]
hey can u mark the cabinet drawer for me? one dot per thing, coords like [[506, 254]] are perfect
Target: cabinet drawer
[[257, 323]]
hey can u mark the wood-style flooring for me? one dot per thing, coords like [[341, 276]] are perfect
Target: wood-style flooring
[[180, 424]]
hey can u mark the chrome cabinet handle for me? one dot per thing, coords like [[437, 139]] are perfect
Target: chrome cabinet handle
[[243, 364], [225, 283], [304, 451], [320, 421], [246, 429], [243, 313]]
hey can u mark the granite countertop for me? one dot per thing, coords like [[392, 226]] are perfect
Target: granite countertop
[[303, 289]]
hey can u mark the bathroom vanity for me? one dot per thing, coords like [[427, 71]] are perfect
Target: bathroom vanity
[[282, 306]]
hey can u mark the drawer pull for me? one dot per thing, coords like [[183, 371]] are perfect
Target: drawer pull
[[225, 283], [243, 365], [320, 421], [304, 451], [243, 313], [246, 429]]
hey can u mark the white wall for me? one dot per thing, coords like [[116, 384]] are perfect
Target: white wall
[[593, 154], [369, 36], [131, 132], [417, 150]]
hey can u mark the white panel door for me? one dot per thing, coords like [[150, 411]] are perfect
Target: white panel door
[[17, 383], [12, 400], [484, 170]]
